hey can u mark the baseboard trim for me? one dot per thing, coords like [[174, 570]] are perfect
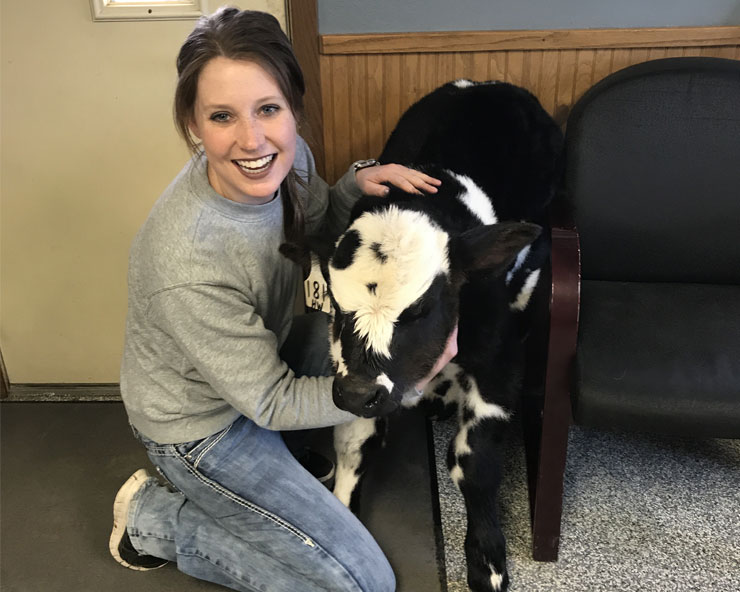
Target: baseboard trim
[[4, 382], [59, 393]]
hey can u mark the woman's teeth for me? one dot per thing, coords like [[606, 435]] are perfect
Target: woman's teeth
[[258, 165]]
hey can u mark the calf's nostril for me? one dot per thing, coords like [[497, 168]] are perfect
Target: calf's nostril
[[337, 390], [375, 399]]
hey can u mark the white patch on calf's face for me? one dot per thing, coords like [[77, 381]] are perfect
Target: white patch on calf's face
[[383, 380], [400, 254], [476, 200]]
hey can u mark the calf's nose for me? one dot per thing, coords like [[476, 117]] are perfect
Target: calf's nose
[[366, 399]]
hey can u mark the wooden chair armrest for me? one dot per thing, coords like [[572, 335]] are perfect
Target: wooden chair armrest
[[565, 295], [565, 291]]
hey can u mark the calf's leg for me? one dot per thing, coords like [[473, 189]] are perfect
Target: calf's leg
[[475, 467], [355, 443]]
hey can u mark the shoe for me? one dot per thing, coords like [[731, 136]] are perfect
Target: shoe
[[120, 544], [318, 465]]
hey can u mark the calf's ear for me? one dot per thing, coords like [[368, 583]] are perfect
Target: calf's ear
[[492, 247], [321, 246]]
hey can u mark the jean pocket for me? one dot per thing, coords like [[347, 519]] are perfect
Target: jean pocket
[[194, 451]]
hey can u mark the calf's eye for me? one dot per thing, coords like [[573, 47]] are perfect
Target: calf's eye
[[414, 312]]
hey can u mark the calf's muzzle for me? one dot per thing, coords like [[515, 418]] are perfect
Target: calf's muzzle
[[362, 397]]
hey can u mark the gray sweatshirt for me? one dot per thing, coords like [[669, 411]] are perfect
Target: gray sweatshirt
[[210, 303]]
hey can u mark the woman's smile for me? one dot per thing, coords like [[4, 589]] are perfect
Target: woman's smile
[[256, 167]]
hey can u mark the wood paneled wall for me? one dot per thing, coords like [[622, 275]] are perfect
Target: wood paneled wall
[[365, 87]]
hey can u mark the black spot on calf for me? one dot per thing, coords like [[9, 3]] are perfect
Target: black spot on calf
[[441, 389], [346, 249], [464, 381]]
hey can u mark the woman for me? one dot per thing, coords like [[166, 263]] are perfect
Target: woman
[[214, 366]]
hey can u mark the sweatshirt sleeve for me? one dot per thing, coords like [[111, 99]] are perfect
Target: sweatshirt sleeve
[[327, 208], [235, 358]]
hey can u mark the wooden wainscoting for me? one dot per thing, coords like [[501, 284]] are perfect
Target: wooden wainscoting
[[367, 81]]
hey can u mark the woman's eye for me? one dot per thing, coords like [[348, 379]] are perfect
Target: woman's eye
[[270, 109], [220, 117]]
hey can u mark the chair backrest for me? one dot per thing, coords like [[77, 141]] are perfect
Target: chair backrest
[[653, 172]]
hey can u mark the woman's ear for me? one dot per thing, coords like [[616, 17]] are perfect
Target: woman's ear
[[194, 131]]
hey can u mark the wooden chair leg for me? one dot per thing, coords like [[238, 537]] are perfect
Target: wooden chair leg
[[548, 488], [547, 417]]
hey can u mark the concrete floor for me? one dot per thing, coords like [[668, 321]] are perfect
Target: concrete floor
[[62, 464]]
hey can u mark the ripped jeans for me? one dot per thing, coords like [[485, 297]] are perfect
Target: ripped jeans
[[247, 515]]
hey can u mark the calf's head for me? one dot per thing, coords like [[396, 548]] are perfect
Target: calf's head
[[394, 278]]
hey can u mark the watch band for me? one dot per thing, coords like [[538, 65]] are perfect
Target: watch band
[[363, 164]]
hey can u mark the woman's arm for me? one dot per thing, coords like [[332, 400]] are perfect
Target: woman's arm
[[226, 353]]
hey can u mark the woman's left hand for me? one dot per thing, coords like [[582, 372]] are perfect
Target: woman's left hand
[[370, 180], [449, 352]]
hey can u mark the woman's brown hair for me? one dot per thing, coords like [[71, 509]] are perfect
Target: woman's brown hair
[[257, 37]]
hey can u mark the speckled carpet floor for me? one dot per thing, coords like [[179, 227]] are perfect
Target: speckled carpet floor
[[640, 513]]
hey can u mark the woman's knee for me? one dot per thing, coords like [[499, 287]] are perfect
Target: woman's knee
[[382, 578], [372, 571]]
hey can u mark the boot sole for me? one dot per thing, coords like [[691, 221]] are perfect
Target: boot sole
[[120, 515]]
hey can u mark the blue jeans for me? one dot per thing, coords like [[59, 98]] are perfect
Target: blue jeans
[[247, 515]]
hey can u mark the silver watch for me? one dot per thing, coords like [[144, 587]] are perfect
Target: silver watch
[[363, 164]]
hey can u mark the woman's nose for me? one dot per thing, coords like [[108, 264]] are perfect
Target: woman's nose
[[250, 135]]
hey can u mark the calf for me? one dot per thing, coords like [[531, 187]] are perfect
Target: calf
[[409, 267]]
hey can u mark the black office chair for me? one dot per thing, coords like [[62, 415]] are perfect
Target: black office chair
[[644, 334]]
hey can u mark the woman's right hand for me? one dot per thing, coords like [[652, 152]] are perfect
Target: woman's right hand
[[371, 179]]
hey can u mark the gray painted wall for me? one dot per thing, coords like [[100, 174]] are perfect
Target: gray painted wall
[[392, 16]]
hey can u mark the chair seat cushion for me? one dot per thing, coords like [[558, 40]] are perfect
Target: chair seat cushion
[[659, 357]]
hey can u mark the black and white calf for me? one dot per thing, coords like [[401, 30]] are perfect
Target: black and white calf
[[409, 267]]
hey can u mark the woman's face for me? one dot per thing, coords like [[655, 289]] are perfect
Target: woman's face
[[247, 129]]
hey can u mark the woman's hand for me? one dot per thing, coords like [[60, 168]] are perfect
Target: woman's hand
[[449, 353], [370, 180]]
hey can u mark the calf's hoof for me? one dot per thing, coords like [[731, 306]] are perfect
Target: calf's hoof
[[487, 579], [487, 568]]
